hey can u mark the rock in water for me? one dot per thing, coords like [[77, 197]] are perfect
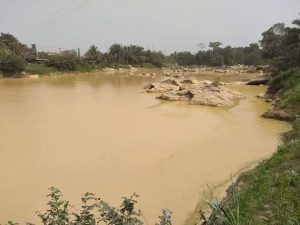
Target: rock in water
[[278, 115], [214, 96], [196, 93], [264, 80]]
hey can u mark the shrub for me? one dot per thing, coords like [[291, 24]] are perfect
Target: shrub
[[95, 211], [284, 80], [39, 69], [10, 64], [148, 65], [63, 63], [84, 66]]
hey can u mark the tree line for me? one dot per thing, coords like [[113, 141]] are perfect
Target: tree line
[[279, 47], [125, 55], [218, 56], [14, 57]]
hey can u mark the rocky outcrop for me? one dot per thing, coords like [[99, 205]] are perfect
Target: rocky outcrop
[[195, 92], [148, 74], [263, 80], [237, 69], [214, 96], [279, 115], [266, 97], [163, 86]]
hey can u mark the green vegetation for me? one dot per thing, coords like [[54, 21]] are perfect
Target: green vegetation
[[286, 85], [284, 80], [10, 44], [11, 64], [62, 63], [39, 69], [12, 55], [291, 99], [217, 56], [281, 46]]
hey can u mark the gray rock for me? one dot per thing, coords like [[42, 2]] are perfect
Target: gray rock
[[264, 80], [278, 115]]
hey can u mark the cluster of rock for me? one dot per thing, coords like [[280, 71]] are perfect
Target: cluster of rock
[[223, 69], [173, 73], [274, 112], [194, 92], [148, 74]]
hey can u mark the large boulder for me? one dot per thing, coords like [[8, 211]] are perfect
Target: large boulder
[[214, 96], [162, 86], [263, 80], [181, 95], [278, 115]]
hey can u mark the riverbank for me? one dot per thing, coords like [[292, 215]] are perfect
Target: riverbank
[[270, 193], [40, 70], [249, 72]]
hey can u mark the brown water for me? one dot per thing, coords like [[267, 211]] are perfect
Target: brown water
[[99, 133]]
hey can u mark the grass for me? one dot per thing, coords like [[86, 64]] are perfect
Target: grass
[[291, 99], [287, 84], [284, 81], [44, 70], [39, 69]]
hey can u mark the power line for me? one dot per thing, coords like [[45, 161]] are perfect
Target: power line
[[79, 6], [68, 9], [50, 17]]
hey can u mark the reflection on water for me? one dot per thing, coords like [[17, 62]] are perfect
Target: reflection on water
[[99, 133]]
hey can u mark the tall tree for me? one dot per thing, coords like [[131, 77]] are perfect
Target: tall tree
[[93, 54], [12, 44], [116, 53], [272, 41], [214, 45], [281, 45]]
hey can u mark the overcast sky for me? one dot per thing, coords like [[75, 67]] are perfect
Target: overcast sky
[[167, 25]]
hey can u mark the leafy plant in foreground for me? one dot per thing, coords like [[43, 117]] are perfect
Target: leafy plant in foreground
[[58, 212], [95, 211]]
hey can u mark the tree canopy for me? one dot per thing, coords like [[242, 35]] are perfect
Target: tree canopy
[[9, 43], [281, 45]]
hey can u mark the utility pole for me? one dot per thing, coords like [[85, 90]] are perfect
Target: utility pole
[[34, 50], [78, 52], [37, 53]]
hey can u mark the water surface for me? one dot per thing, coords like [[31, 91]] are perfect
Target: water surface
[[99, 133]]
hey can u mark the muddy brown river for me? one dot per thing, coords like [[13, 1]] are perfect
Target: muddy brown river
[[99, 133]]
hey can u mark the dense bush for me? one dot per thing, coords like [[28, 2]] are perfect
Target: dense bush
[[281, 45], [63, 63], [10, 64], [286, 85], [84, 65], [218, 56], [284, 80]]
